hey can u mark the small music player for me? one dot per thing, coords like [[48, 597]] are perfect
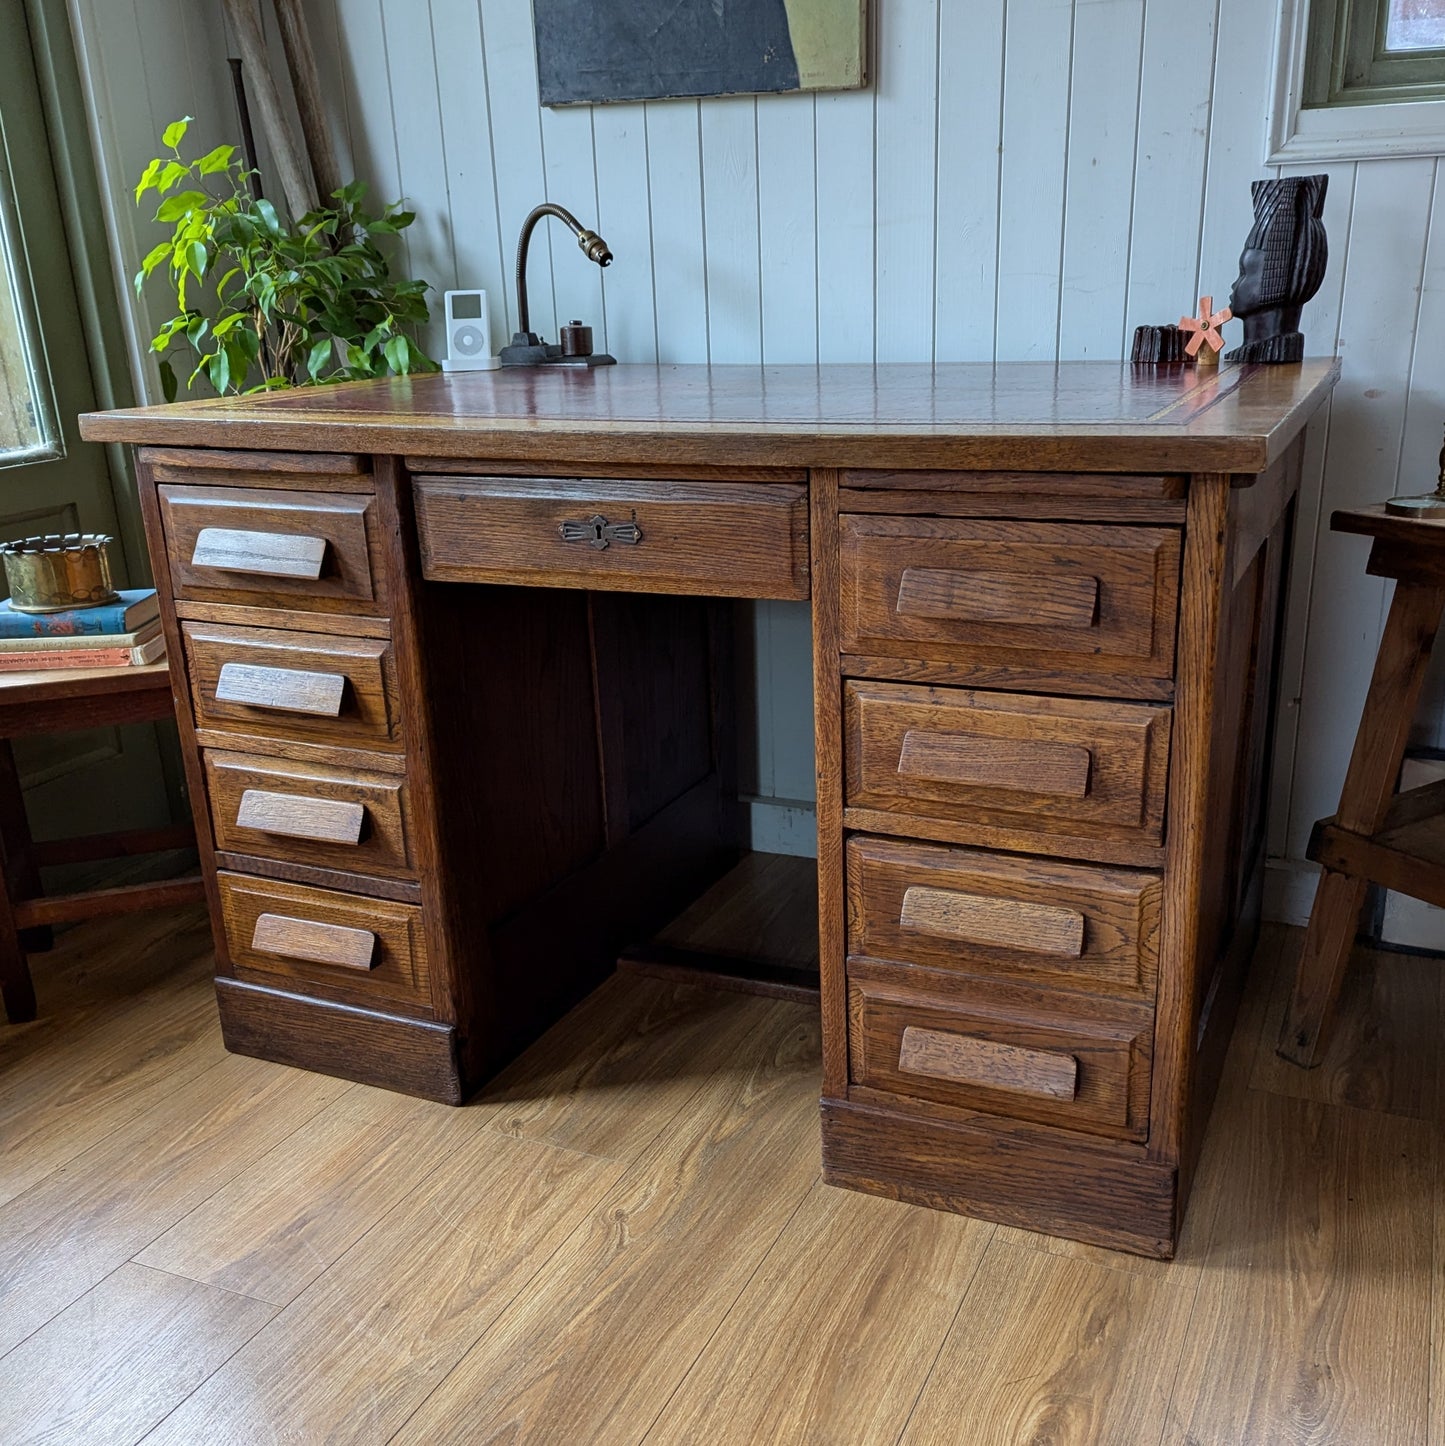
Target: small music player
[[469, 333]]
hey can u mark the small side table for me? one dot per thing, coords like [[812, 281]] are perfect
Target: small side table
[[55, 701], [1377, 836]]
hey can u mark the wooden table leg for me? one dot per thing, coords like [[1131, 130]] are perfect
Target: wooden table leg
[[19, 880], [1369, 788]]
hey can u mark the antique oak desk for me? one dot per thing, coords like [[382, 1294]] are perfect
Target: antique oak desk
[[456, 705]]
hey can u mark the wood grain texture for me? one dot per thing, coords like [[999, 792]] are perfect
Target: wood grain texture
[[997, 597], [980, 759], [1012, 1171], [119, 1194], [323, 928], [292, 1379], [1051, 1349], [987, 1064], [666, 1232], [105, 1049], [727, 539], [1006, 923], [343, 582], [118, 1360], [837, 1341], [1113, 947], [1292, 1355], [317, 820], [1070, 599], [912, 1036], [296, 1211], [414, 1056], [828, 757], [1369, 786], [1059, 769], [288, 690], [263, 554], [314, 943], [1201, 609], [1005, 418], [310, 813]]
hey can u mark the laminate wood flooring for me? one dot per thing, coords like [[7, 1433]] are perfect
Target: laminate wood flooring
[[625, 1239]]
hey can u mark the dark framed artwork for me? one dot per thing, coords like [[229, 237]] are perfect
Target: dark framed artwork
[[600, 50]]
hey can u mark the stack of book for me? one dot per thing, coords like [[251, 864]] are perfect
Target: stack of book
[[122, 634]]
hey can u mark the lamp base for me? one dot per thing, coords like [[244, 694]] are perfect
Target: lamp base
[[527, 349]]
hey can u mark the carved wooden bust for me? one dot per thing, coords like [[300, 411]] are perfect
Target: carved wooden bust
[[1281, 267]]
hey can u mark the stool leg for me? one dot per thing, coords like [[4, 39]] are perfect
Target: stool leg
[[1364, 801], [19, 879], [17, 850]]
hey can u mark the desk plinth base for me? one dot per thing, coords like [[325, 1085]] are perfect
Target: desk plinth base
[[413, 1056], [1026, 1176]]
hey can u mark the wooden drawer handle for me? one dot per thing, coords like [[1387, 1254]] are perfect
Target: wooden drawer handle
[[1020, 765], [287, 690], [1001, 923], [325, 820], [1028, 599], [314, 943], [964, 1059], [267, 554]]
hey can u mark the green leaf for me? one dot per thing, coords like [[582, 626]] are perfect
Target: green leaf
[[170, 174], [196, 330], [216, 160], [173, 133], [397, 352], [147, 179], [319, 355], [219, 372], [174, 207], [267, 212], [196, 259], [168, 380]]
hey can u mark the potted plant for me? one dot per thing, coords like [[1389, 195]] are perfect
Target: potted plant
[[263, 303]]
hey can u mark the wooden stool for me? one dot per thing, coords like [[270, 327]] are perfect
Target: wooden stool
[[53, 702], [1377, 836]]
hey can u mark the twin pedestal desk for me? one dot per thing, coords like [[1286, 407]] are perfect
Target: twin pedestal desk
[[454, 677]]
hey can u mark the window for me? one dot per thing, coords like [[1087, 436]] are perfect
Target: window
[[28, 432], [1371, 52], [1357, 79]]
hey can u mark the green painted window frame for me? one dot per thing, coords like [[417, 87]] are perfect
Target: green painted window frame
[[1346, 62]]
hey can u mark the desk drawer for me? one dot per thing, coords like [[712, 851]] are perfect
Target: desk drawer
[[1061, 766], [1081, 1062], [1069, 599], [309, 814], [280, 547], [723, 539], [276, 684], [1005, 917], [320, 942]]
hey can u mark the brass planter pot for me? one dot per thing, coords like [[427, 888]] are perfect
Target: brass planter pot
[[60, 571]]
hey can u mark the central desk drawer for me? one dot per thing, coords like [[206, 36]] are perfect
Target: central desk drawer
[[1046, 766], [718, 539], [326, 688], [309, 814]]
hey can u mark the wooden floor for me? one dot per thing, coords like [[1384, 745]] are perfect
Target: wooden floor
[[626, 1240]]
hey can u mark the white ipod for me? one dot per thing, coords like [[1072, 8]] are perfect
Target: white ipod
[[469, 333]]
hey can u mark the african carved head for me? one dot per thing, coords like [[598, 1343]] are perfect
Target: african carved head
[[1281, 267]]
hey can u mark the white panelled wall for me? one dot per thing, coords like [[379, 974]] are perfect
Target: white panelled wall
[[1023, 179]]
